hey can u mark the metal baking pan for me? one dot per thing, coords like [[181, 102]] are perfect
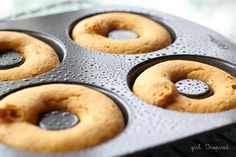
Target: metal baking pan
[[147, 126]]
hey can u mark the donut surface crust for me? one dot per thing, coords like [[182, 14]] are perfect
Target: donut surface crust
[[156, 86], [100, 118], [92, 33]]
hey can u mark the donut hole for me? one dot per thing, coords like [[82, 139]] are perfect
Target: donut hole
[[57, 120], [122, 34], [10, 59], [193, 88], [192, 83], [50, 117]]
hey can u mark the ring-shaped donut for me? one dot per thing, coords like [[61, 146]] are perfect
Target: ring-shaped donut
[[92, 33], [100, 118], [38, 56], [156, 86]]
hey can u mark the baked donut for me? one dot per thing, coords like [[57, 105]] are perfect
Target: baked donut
[[100, 118], [92, 33], [156, 86], [38, 56]]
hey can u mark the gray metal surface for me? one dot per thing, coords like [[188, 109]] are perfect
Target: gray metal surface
[[147, 126], [122, 34], [193, 88], [10, 59], [57, 120]]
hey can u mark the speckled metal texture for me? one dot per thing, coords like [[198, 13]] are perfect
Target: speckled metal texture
[[57, 120], [193, 88], [10, 59], [122, 35], [147, 126]]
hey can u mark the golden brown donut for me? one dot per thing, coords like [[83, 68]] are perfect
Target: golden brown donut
[[156, 86], [38, 56], [92, 33], [100, 118]]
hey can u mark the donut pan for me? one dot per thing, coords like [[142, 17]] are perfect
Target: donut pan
[[147, 126]]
